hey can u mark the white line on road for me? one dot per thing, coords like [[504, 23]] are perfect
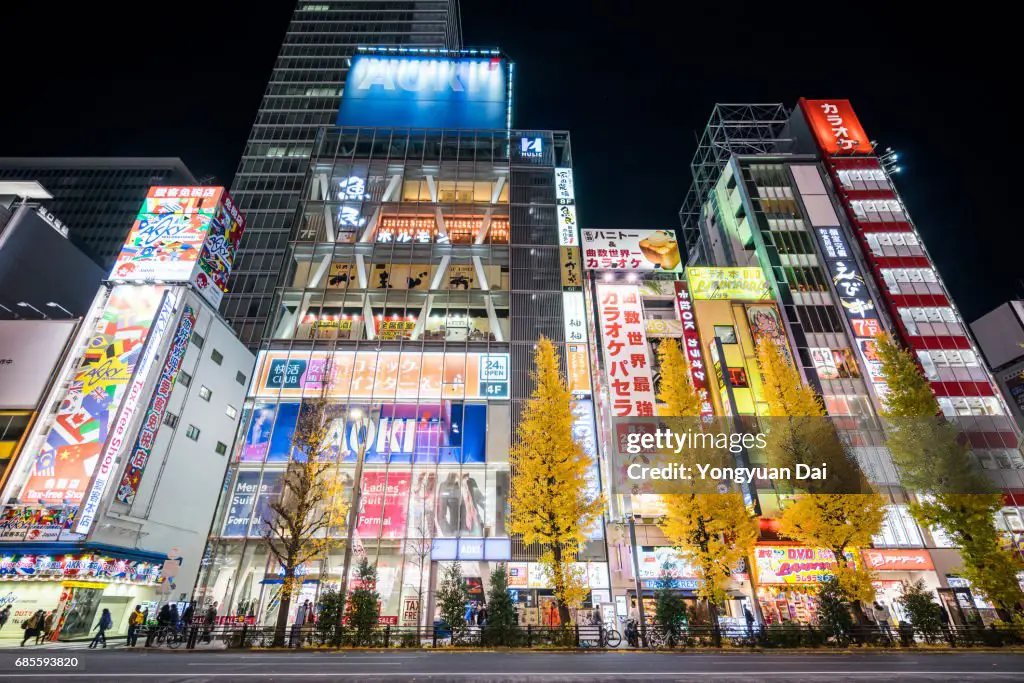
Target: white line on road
[[536, 674]]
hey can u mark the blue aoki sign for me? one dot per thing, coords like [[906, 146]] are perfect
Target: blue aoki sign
[[426, 92]]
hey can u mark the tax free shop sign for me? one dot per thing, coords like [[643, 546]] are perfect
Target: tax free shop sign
[[391, 91]]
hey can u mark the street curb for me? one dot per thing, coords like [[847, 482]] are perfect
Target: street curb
[[676, 652]]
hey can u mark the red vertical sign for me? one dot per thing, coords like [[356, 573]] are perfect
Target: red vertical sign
[[691, 347]]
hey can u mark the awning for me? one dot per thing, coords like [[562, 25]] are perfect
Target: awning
[[111, 551]]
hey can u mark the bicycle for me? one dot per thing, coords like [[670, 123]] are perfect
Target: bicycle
[[610, 638], [171, 637]]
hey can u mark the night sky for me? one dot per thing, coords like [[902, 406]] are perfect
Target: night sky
[[634, 90]]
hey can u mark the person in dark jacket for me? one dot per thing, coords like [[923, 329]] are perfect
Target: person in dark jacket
[[105, 622], [33, 625]]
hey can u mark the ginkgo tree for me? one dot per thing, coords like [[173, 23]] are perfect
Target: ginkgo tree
[[935, 461], [712, 531], [841, 513], [550, 501]]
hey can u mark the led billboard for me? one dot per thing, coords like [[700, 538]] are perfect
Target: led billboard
[[426, 92]]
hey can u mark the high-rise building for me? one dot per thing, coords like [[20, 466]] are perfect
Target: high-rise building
[[302, 97], [425, 264], [802, 198], [97, 197], [1000, 334]]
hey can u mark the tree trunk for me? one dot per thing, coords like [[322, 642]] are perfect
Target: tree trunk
[[716, 631], [281, 628], [563, 609]]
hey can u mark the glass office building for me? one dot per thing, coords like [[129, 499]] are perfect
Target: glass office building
[[301, 97], [423, 267]]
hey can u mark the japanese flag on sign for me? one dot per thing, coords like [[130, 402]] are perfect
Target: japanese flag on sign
[[626, 358]]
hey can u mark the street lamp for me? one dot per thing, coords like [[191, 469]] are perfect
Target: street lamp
[[361, 422], [25, 304], [54, 304]]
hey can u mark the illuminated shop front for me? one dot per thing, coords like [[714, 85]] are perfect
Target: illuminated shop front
[[79, 587]]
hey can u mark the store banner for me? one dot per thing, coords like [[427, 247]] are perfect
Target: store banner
[[692, 347], [627, 361], [898, 560], [572, 272], [638, 250], [384, 505]]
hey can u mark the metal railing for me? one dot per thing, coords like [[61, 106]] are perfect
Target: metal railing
[[247, 636]]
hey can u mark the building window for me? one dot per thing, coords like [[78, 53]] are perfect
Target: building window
[[727, 333], [185, 378], [970, 406], [205, 393], [221, 448], [171, 420], [198, 340], [193, 432], [216, 357], [240, 377], [231, 412]]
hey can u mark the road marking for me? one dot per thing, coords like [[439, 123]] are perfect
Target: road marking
[[505, 674]]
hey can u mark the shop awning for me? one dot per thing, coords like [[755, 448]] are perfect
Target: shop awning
[[83, 548]]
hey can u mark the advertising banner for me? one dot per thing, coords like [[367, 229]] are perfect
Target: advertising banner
[[565, 191], [788, 564], [385, 505], [656, 561], [692, 347], [68, 458], [33, 523], [426, 92], [29, 352], [836, 127], [218, 252], [631, 250], [168, 235], [568, 228], [572, 272], [627, 361], [584, 432], [122, 423], [383, 375], [746, 283], [78, 567], [157, 407]]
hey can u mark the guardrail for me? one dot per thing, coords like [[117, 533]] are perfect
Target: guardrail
[[245, 636]]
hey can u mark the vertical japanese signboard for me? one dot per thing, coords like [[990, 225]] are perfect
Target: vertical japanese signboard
[[855, 299], [576, 342], [157, 407], [627, 361], [691, 347]]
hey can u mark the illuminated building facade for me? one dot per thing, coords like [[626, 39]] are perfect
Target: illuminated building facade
[[108, 504], [802, 196], [423, 267]]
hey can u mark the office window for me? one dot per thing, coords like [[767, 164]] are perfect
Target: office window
[[221, 448], [240, 377], [205, 393], [185, 378], [171, 420], [198, 340], [193, 432], [216, 357], [231, 412]]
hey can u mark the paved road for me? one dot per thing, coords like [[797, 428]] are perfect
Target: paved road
[[222, 667]]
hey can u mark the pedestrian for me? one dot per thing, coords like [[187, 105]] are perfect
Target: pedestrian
[[633, 625], [750, 621], [5, 614], [135, 621], [32, 625], [944, 620], [597, 619], [106, 621], [47, 629], [211, 619], [175, 619], [481, 616], [186, 618], [882, 617]]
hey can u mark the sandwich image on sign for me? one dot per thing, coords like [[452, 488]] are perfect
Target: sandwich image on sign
[[661, 249]]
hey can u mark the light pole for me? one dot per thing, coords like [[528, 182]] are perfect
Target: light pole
[[360, 421], [25, 304], [54, 304]]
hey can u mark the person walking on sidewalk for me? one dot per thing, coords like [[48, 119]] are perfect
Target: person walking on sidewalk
[[47, 628], [5, 614], [106, 621], [32, 625]]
